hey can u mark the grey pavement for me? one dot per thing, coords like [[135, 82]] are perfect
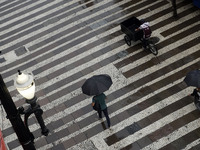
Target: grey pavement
[[64, 42]]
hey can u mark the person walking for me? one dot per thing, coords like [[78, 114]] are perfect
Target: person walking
[[196, 94], [100, 99]]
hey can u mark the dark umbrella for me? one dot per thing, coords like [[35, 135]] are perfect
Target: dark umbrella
[[193, 78], [97, 84]]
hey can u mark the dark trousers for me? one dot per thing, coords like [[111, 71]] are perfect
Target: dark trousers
[[105, 111], [144, 43], [197, 102]]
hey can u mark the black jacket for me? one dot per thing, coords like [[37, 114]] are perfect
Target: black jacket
[[196, 96]]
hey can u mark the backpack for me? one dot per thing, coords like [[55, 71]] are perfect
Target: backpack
[[146, 32]]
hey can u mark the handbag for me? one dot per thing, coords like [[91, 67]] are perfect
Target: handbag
[[96, 106]]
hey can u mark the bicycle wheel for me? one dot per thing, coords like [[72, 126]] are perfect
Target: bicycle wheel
[[127, 40], [152, 48]]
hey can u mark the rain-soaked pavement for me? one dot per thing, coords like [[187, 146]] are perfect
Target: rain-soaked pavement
[[65, 42]]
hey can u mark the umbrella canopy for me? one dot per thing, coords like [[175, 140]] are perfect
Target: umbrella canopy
[[97, 84], [193, 78]]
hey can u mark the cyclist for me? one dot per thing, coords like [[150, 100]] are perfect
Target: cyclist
[[146, 32]]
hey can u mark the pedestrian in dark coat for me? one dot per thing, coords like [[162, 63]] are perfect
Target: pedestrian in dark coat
[[196, 94], [103, 107]]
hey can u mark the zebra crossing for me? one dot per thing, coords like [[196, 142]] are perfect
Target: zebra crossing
[[69, 41]]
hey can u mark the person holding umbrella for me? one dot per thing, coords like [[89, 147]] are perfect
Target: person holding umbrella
[[196, 94], [96, 86], [100, 99], [193, 79]]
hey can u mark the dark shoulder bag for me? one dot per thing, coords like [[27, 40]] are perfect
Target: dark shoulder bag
[[96, 106]]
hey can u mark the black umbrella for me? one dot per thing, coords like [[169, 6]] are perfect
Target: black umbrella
[[193, 78], [97, 84]]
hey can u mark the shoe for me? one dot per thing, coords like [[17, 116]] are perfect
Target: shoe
[[110, 129], [145, 49], [100, 119]]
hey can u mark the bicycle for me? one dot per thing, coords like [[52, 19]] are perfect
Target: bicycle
[[128, 27]]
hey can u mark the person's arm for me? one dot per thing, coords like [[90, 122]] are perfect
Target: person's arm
[[105, 97], [93, 101], [137, 29]]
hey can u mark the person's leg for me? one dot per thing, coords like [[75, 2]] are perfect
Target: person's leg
[[105, 111], [100, 113], [143, 44], [197, 103]]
